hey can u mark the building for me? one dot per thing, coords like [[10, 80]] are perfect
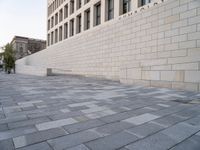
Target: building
[[150, 43], [69, 17], [24, 46]]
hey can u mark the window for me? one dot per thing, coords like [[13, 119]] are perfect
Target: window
[[87, 19], [56, 18], [78, 23], [56, 35], [52, 38], [66, 30], [48, 39], [72, 27], [97, 14], [110, 9], [60, 15], [60, 33], [144, 2], [79, 4], [56, 3], [86, 1], [126, 6], [66, 11], [48, 24], [71, 6], [52, 22]]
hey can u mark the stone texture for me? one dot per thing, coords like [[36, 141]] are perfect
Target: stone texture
[[134, 116], [118, 140], [39, 146], [137, 120], [72, 140], [55, 124], [129, 47], [37, 137]]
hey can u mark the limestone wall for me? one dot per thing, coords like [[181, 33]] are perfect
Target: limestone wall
[[159, 46]]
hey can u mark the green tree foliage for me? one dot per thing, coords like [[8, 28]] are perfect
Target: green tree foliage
[[9, 58]]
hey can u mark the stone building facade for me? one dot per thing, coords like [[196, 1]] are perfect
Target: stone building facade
[[151, 43], [24, 46]]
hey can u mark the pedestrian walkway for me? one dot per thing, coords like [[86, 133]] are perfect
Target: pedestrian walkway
[[77, 113]]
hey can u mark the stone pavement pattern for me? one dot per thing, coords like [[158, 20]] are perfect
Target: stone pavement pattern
[[76, 113]]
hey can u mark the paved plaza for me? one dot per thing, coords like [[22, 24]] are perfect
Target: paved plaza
[[76, 113]]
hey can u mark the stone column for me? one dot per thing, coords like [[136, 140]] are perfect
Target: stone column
[[103, 12], [92, 16], [82, 20], [117, 7]]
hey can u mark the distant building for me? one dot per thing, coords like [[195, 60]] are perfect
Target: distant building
[[24, 46]]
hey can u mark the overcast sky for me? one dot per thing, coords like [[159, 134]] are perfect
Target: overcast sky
[[22, 18]]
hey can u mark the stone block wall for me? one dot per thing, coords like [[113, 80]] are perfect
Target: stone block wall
[[159, 46]]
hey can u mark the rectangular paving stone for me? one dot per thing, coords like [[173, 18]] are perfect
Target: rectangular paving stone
[[3, 127], [55, 124], [163, 105], [59, 116], [39, 146], [113, 128], [79, 147], [16, 132], [13, 119], [116, 117], [37, 137], [168, 120], [112, 142], [157, 141], [65, 110], [6, 145], [181, 131], [94, 109], [137, 120], [29, 103], [193, 143], [72, 140], [83, 125], [27, 122], [82, 104], [145, 129]]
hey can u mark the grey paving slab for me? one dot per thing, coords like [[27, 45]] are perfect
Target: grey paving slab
[[55, 124], [79, 147], [83, 125], [3, 127], [113, 128], [181, 131], [70, 111], [27, 122], [193, 143], [73, 140], [118, 140], [157, 141], [7, 145], [168, 120], [37, 137], [16, 132], [39, 146], [137, 120], [145, 129]]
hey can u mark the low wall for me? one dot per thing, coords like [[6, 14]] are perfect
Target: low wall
[[33, 70], [159, 46]]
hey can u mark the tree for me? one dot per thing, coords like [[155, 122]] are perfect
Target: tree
[[9, 58]]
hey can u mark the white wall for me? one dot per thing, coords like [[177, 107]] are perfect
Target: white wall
[[158, 47]]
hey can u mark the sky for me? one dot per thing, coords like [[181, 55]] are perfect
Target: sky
[[23, 18]]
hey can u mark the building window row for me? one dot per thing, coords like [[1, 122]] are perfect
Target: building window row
[[54, 5], [83, 20]]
